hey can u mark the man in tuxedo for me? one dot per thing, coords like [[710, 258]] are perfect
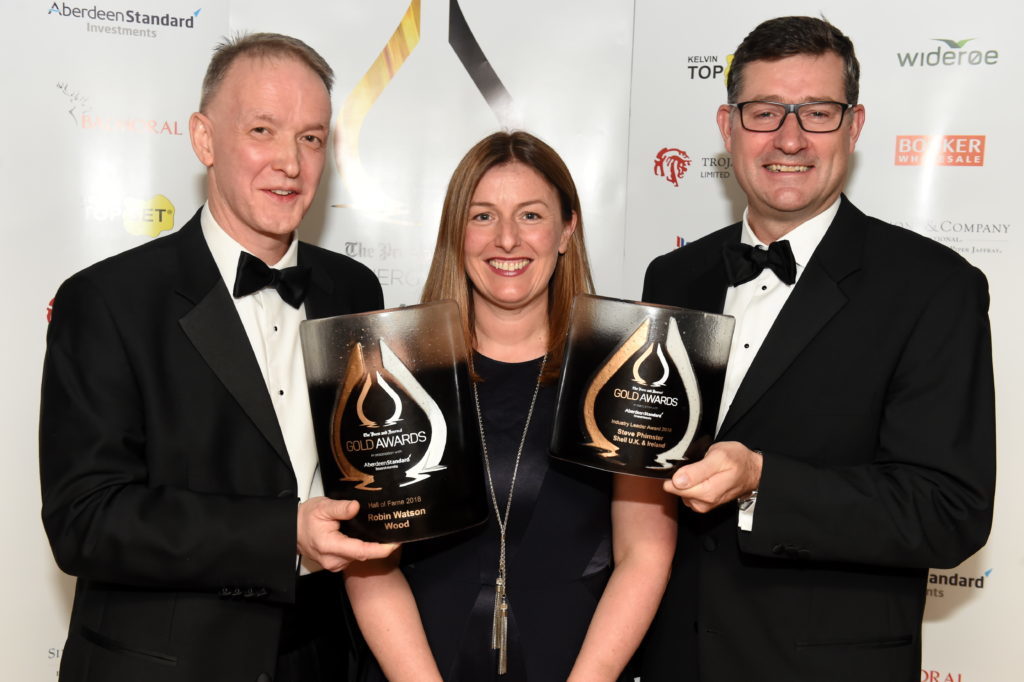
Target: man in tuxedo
[[856, 443], [179, 472]]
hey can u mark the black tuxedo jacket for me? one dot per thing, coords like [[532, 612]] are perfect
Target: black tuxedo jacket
[[167, 489], [872, 401]]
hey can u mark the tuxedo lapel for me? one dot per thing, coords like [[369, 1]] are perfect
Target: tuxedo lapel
[[816, 298], [321, 299], [709, 282], [215, 330]]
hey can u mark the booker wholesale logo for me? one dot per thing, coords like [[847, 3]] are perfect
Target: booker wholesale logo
[[127, 21], [940, 150], [951, 52], [672, 164]]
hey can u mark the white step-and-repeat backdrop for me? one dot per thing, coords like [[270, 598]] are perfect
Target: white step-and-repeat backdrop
[[97, 160]]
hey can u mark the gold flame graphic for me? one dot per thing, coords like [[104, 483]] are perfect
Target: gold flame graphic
[[358, 103], [353, 372]]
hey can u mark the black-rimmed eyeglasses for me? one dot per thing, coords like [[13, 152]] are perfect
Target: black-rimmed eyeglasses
[[813, 117]]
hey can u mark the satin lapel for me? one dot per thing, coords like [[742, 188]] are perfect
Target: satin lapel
[[215, 330], [816, 298], [321, 300], [706, 289]]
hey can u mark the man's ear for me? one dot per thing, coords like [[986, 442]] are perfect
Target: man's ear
[[724, 118], [857, 116], [200, 130]]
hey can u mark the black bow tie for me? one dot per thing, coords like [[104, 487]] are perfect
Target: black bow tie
[[253, 275], [744, 262]]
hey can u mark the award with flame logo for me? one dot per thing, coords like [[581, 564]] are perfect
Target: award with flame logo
[[388, 393], [640, 385]]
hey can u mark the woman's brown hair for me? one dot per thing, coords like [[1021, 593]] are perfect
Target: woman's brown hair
[[447, 278]]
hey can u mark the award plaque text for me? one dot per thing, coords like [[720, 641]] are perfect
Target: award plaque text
[[640, 385], [389, 393]]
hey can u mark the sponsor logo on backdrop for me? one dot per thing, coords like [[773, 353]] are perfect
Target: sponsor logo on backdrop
[[939, 583], [968, 237], [124, 21], [144, 217], [680, 241], [392, 274], [716, 166], [940, 150], [80, 110], [49, 318], [145, 126], [77, 103], [707, 67], [941, 676], [949, 52], [672, 164]]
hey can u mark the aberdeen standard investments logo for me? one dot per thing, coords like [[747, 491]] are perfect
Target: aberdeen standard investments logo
[[949, 52], [128, 21], [939, 583]]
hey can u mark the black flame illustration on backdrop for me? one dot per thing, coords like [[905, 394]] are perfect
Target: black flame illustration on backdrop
[[395, 52]]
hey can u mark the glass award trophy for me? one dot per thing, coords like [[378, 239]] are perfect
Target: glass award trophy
[[640, 385], [389, 393]]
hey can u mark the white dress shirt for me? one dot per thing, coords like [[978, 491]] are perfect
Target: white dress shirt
[[273, 330], [756, 304]]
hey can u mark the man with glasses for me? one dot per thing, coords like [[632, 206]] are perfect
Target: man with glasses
[[855, 444]]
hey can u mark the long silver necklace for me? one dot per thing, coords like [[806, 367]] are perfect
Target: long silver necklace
[[499, 622]]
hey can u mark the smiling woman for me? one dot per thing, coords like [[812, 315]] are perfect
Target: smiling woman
[[533, 593], [513, 241]]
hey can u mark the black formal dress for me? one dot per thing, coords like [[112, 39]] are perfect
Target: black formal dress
[[558, 548]]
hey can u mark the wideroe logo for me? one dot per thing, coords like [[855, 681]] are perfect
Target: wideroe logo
[[951, 52]]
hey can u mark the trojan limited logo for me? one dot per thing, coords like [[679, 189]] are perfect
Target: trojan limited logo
[[672, 164]]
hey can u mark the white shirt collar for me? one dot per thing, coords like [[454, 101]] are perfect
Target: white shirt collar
[[225, 250], [803, 239]]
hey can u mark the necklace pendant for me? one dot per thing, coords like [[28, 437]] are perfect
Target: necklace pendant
[[503, 638], [499, 600]]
